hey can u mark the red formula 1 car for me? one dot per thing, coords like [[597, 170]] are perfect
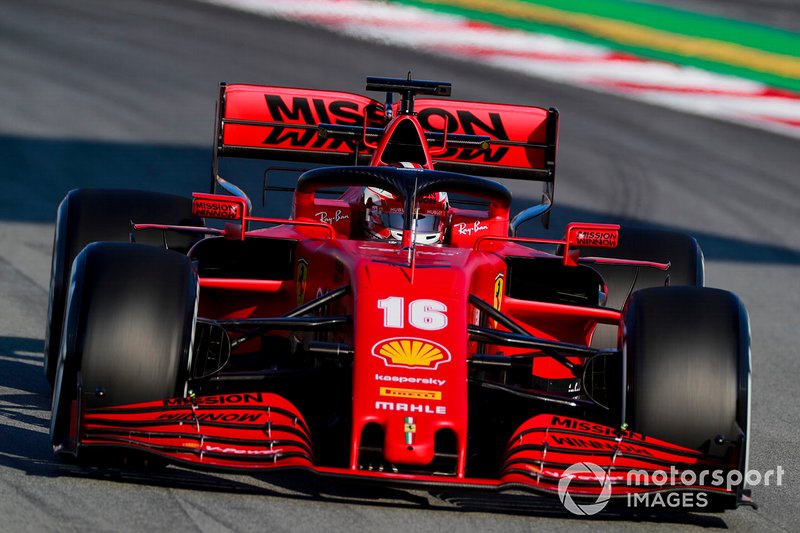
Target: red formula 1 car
[[397, 330]]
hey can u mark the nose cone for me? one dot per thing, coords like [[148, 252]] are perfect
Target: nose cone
[[410, 368]]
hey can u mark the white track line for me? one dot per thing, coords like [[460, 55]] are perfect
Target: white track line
[[683, 88]]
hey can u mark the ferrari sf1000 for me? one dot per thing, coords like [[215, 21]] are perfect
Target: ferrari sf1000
[[396, 328]]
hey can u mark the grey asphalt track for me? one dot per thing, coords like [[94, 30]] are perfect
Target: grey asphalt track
[[98, 93], [783, 14]]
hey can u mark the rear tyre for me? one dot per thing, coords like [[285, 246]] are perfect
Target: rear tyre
[[680, 250], [686, 352], [90, 215], [128, 331]]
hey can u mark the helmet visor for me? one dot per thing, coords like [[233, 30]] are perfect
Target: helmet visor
[[424, 223]]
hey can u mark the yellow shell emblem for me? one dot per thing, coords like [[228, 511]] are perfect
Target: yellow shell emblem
[[411, 353]]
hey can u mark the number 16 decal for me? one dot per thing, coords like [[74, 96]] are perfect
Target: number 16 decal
[[422, 314]]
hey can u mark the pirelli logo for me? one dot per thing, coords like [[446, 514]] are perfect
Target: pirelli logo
[[417, 394]]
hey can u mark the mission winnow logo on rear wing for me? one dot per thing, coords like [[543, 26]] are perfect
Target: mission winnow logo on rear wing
[[286, 118]]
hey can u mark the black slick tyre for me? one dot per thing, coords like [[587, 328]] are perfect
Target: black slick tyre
[[681, 250], [91, 215], [128, 331], [686, 354]]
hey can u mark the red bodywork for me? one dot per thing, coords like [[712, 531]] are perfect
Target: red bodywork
[[410, 350]]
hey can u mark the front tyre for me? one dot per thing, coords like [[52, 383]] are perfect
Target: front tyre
[[91, 215], [128, 332], [686, 352]]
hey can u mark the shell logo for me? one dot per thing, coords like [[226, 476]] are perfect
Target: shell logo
[[408, 352]]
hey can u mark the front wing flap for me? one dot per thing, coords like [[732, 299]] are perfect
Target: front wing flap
[[239, 431], [548, 448]]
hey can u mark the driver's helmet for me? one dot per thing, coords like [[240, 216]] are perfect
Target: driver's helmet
[[384, 217]]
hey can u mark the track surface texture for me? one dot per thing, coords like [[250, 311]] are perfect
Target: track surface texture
[[782, 14], [99, 93]]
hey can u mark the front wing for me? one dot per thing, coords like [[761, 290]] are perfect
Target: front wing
[[263, 431]]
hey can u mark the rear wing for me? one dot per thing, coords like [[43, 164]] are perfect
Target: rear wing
[[520, 140], [281, 123], [336, 128]]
